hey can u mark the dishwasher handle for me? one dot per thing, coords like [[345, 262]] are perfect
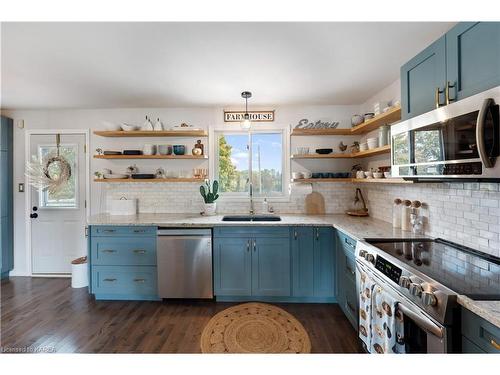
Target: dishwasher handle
[[184, 232]]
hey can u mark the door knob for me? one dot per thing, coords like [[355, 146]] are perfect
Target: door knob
[[35, 208], [34, 215]]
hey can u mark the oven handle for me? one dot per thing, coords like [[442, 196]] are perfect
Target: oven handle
[[481, 119], [422, 321], [419, 319]]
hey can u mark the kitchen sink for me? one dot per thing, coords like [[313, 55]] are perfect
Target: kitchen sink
[[251, 218]]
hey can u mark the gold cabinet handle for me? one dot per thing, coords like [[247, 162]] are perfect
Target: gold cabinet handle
[[436, 97], [109, 251], [317, 233], [139, 251], [254, 245], [109, 230], [494, 344], [248, 245], [139, 280], [110, 280], [447, 92], [295, 234]]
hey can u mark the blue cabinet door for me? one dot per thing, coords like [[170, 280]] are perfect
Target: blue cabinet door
[[270, 267], [232, 266], [302, 246], [324, 262], [473, 58], [6, 197], [421, 77]]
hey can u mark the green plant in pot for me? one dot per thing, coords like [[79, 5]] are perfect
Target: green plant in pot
[[209, 192]]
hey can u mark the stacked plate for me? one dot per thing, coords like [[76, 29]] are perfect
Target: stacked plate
[[372, 143]]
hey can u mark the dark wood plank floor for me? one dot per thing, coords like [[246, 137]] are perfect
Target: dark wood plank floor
[[49, 315]]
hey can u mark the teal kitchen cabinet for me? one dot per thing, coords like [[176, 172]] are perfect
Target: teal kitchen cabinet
[[313, 263], [423, 80], [479, 335], [251, 262], [346, 277], [6, 197], [472, 58], [122, 262], [232, 266], [302, 244]]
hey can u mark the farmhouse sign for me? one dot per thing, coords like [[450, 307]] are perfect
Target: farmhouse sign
[[255, 116]]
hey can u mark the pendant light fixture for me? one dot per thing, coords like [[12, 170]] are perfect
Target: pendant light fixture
[[246, 123]]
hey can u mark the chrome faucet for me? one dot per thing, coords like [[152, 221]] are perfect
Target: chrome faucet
[[251, 197]]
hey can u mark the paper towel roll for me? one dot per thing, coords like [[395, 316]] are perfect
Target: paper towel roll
[[301, 188]]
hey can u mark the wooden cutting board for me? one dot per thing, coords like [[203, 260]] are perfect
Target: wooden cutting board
[[315, 204]]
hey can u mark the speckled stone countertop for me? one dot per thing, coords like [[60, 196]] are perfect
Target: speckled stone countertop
[[358, 228], [488, 310]]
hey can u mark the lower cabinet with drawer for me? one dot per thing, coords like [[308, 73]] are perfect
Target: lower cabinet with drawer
[[346, 277], [123, 263], [479, 335]]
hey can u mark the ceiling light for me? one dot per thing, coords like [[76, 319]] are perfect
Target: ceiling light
[[246, 123]]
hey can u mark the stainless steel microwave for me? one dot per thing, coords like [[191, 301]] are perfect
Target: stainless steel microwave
[[458, 141]]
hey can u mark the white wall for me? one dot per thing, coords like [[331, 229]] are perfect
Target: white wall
[[202, 117]]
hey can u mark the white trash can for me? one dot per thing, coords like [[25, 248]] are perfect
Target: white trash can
[[79, 273]]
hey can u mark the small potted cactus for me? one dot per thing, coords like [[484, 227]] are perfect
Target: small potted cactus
[[210, 195]]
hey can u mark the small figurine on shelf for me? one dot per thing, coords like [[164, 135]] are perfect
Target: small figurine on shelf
[[355, 147], [160, 173], [132, 169], [342, 147], [99, 151], [98, 175], [199, 148]]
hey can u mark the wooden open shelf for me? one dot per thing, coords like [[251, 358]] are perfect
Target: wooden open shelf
[[356, 180], [132, 180], [338, 155], [202, 157], [152, 133], [389, 117]]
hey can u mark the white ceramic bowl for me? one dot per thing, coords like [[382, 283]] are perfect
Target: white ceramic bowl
[[369, 174], [378, 174], [128, 127], [107, 176], [110, 125], [372, 143], [363, 146], [297, 175], [387, 174], [307, 174]]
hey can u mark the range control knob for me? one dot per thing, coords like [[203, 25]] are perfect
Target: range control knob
[[429, 299], [404, 282], [370, 258], [415, 289], [362, 253]]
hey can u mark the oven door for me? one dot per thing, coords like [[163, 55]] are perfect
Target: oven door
[[422, 333]]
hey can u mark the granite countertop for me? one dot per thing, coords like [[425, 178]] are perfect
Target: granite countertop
[[358, 228]]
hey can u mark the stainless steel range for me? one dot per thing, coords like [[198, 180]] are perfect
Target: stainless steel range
[[426, 276]]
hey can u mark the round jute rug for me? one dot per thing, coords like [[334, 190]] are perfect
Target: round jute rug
[[254, 328]]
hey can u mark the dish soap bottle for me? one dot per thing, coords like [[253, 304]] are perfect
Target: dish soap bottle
[[265, 206]]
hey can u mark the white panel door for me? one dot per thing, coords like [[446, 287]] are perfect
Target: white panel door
[[58, 219]]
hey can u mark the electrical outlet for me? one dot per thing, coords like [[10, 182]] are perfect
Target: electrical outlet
[[20, 188], [20, 124]]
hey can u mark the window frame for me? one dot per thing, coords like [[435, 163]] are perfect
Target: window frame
[[234, 129], [42, 194]]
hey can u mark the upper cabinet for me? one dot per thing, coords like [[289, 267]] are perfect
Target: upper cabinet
[[461, 63], [423, 79], [472, 58]]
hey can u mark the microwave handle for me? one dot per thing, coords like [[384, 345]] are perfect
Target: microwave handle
[[481, 119]]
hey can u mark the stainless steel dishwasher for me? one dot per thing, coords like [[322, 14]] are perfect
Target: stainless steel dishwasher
[[184, 263]]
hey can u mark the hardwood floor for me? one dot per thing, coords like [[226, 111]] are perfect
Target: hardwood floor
[[49, 315]]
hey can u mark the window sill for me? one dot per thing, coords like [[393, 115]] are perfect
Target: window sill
[[246, 199]]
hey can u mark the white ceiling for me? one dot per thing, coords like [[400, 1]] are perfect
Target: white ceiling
[[108, 65]]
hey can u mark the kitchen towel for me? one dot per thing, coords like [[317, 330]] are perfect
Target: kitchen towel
[[365, 305], [387, 327]]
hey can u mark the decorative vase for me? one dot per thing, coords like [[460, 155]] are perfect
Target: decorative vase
[[210, 209]]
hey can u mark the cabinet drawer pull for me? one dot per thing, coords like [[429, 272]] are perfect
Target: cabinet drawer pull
[[110, 280], [317, 234], [350, 270], [494, 344], [109, 230], [295, 234], [349, 243], [248, 245], [139, 231], [139, 251], [109, 251], [254, 245], [139, 280], [349, 306]]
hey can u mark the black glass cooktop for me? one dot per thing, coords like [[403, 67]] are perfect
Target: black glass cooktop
[[461, 269]]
